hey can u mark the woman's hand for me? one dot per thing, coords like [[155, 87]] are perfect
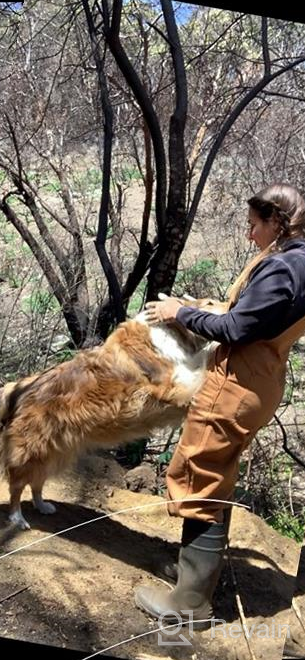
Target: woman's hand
[[162, 312]]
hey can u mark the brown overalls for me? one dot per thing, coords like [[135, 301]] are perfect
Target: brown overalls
[[242, 390]]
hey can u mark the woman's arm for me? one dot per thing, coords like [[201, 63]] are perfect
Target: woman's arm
[[266, 299]]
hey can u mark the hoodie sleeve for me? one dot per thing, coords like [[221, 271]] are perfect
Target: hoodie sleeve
[[265, 300]]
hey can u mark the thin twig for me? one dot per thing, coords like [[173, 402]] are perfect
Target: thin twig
[[297, 612], [285, 447], [290, 493], [240, 607], [250, 454], [15, 593]]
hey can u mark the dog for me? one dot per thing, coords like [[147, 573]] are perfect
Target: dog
[[141, 379]]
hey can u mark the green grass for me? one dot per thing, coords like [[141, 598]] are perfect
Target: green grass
[[129, 174], [296, 361], [40, 302], [64, 355], [136, 301], [289, 525], [52, 186], [88, 182], [202, 272]]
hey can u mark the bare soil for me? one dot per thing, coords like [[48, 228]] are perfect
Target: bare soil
[[75, 589]]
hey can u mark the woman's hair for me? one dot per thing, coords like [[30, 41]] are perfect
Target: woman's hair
[[281, 202]]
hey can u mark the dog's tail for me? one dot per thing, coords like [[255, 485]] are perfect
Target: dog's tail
[[11, 394], [6, 395]]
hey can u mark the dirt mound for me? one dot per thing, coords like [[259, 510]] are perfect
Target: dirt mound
[[75, 588]]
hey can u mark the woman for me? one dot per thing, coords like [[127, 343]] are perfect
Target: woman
[[243, 388]]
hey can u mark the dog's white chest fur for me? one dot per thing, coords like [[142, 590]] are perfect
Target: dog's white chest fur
[[189, 366]]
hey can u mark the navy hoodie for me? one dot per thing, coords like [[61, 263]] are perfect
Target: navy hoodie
[[272, 301]]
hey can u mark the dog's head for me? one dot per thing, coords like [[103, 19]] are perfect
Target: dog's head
[[205, 304]]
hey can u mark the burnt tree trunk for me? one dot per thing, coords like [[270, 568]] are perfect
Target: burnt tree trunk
[[171, 240]]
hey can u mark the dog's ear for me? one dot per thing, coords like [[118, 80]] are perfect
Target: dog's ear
[[205, 304]]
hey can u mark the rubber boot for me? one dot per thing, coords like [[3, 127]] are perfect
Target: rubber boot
[[199, 566], [167, 570]]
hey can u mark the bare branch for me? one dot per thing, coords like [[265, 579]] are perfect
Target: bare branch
[[112, 36], [228, 123], [266, 54], [100, 241]]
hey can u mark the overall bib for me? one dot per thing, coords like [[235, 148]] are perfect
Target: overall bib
[[242, 390]]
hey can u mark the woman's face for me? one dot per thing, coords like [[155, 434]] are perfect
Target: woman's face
[[262, 232]]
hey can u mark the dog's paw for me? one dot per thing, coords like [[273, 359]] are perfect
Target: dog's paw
[[44, 507], [17, 519]]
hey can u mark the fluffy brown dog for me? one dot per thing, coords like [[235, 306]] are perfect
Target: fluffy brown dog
[[141, 379]]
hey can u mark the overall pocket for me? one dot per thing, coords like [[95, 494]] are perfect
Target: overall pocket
[[178, 475]]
